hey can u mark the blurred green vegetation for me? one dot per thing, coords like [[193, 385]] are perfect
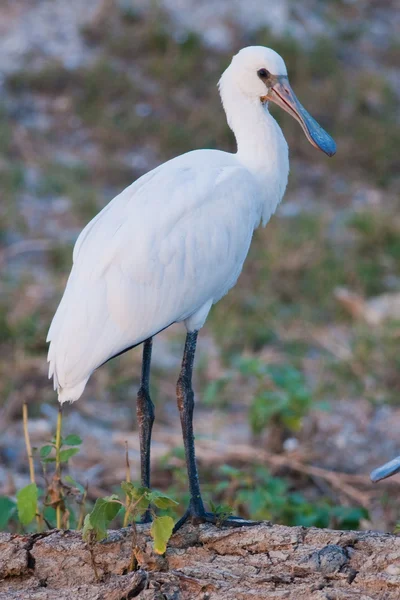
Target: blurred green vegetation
[[281, 398], [265, 497], [254, 493]]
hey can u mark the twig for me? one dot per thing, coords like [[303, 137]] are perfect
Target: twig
[[28, 442], [335, 479], [212, 451], [30, 455], [92, 560]]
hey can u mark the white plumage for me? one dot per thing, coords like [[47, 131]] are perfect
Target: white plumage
[[174, 242]]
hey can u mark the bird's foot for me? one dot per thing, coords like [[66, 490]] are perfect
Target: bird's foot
[[197, 517]]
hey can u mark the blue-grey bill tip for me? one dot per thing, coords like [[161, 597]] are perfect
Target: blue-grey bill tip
[[387, 470], [323, 140]]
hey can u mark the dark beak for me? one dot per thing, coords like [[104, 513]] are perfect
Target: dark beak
[[282, 94]]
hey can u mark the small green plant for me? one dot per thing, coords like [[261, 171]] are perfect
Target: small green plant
[[52, 505], [138, 501], [53, 498], [221, 511], [64, 455], [57, 490]]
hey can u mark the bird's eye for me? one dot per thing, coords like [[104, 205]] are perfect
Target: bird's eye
[[263, 73]]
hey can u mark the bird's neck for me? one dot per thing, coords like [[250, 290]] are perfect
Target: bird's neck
[[261, 148]]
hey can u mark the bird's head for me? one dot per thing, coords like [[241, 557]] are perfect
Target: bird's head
[[260, 74]]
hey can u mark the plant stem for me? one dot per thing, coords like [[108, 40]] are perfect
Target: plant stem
[[127, 512], [82, 509], [130, 508], [28, 442], [58, 464], [91, 550], [30, 455], [134, 561]]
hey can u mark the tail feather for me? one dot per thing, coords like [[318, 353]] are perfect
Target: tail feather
[[51, 370], [71, 394], [56, 384]]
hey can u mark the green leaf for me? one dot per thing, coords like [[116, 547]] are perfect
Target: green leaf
[[128, 488], [65, 455], [48, 460], [161, 500], [26, 503], [161, 531], [72, 440], [7, 510], [137, 495], [104, 511], [88, 529], [45, 451]]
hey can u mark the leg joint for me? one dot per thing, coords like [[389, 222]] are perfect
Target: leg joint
[[145, 404], [185, 394]]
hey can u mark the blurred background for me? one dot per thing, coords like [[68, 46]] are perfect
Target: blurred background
[[297, 374]]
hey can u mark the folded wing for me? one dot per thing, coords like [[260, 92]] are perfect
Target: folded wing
[[173, 241]]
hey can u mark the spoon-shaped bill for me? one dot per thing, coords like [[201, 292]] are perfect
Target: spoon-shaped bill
[[282, 94], [387, 470]]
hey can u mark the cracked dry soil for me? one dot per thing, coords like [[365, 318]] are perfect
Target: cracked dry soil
[[204, 563]]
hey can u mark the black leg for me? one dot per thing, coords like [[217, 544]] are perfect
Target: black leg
[[185, 397], [145, 418]]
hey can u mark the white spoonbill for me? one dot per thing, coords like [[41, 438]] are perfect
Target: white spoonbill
[[173, 243]]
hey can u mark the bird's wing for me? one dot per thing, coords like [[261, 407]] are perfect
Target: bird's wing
[[156, 254]]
